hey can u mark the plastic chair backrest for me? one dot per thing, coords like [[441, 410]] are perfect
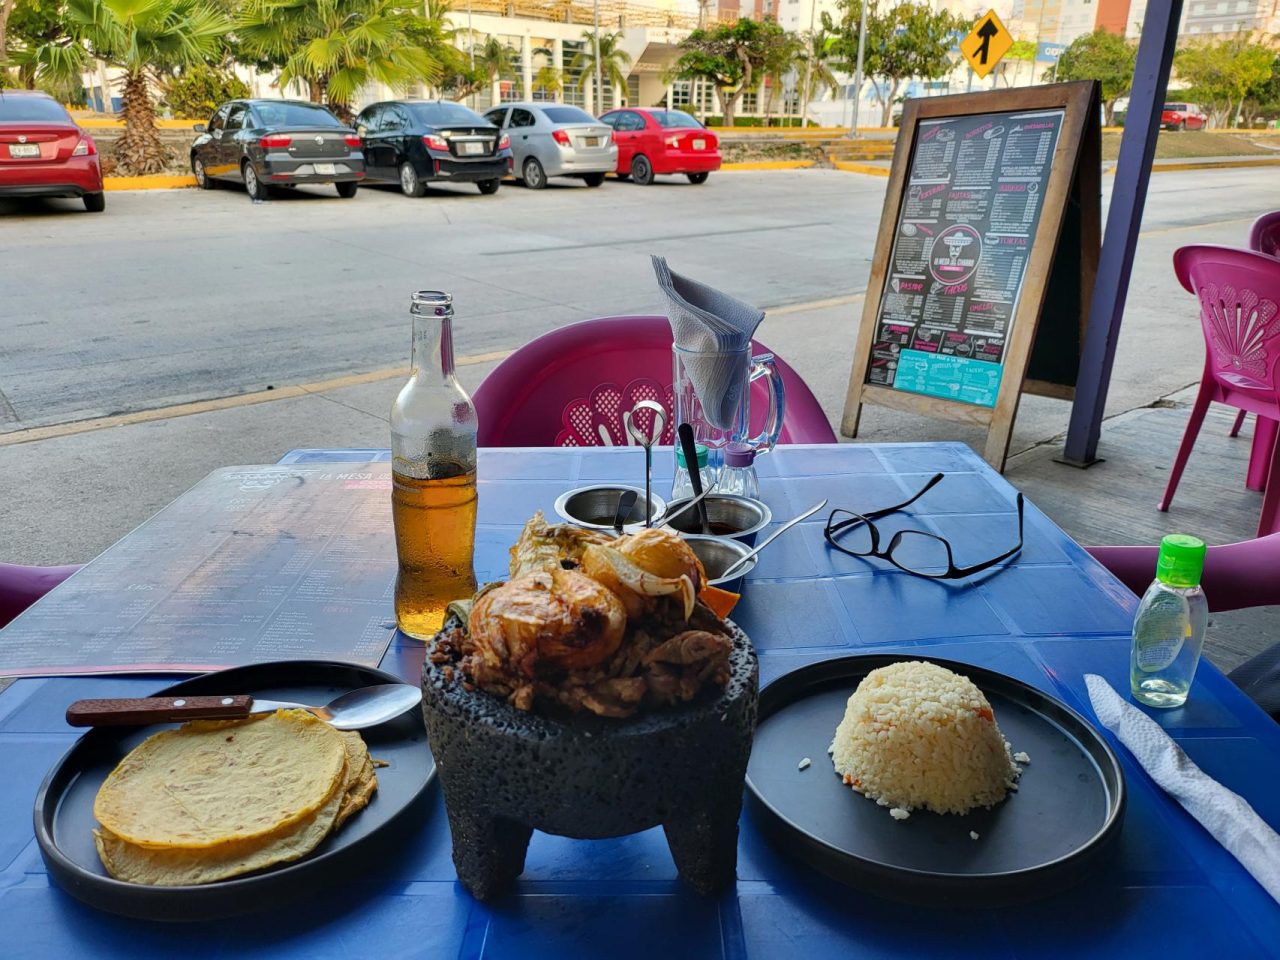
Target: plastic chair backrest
[[571, 387], [1264, 235], [1236, 575], [1239, 293], [21, 586]]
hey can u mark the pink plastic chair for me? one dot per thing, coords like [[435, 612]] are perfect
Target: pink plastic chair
[[1236, 575], [21, 586], [570, 387], [1264, 236], [1239, 291]]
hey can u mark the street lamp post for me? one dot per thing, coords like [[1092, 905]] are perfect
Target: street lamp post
[[857, 76], [595, 13]]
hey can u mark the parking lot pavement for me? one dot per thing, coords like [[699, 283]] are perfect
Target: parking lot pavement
[[172, 297]]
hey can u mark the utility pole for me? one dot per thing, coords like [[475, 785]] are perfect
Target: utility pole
[[595, 12], [471, 49], [857, 76]]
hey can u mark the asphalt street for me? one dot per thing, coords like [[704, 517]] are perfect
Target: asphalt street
[[179, 296]]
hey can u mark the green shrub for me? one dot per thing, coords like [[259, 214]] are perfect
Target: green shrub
[[198, 91]]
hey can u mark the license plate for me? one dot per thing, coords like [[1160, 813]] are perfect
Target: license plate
[[472, 149], [592, 141], [325, 169], [699, 144], [24, 150]]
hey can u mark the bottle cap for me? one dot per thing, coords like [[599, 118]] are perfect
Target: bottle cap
[[739, 455], [1181, 560], [701, 452]]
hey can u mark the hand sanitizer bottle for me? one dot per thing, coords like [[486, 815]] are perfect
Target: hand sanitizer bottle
[[1168, 631]]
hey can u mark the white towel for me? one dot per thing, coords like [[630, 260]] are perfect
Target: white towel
[[1222, 812]]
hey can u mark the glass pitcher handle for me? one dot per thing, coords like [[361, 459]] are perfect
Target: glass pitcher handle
[[762, 365]]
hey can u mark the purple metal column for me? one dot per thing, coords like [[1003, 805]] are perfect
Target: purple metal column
[[1124, 218]]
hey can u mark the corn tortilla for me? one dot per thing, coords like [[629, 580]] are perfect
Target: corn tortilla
[[214, 782], [177, 866]]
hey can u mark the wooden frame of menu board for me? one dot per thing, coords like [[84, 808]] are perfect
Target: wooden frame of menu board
[[989, 296]]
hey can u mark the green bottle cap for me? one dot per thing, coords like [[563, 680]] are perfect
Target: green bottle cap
[[1181, 560], [702, 456]]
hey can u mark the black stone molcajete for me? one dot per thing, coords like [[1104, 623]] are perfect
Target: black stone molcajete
[[506, 773]]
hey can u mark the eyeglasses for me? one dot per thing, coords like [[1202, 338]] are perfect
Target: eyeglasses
[[912, 551]]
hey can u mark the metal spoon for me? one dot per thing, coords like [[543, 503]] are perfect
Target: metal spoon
[[626, 502], [670, 515], [769, 539], [647, 440], [354, 710], [690, 449]]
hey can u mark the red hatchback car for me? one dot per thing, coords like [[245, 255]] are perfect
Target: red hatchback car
[[1182, 116], [653, 140], [44, 154]]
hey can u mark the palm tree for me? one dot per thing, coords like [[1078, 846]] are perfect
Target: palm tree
[[818, 51], [612, 61], [781, 58], [149, 40], [335, 47], [495, 61], [549, 81]]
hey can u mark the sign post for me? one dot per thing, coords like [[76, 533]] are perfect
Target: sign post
[[985, 258], [986, 44]]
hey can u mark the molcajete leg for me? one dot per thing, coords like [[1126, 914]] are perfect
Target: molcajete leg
[[704, 844], [488, 851]]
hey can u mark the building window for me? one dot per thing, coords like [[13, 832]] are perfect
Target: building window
[[750, 102]]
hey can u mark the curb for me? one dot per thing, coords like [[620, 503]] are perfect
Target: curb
[[159, 181], [1180, 166], [768, 165], [870, 169]]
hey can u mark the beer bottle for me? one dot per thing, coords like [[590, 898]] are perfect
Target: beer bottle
[[433, 471]]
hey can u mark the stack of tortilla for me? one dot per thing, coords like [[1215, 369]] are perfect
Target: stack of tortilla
[[218, 798]]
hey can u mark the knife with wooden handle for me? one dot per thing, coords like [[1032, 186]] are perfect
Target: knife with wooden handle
[[138, 711]]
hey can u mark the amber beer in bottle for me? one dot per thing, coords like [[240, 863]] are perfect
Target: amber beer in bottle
[[433, 472]]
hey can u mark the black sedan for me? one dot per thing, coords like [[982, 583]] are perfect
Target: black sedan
[[413, 142], [276, 143]]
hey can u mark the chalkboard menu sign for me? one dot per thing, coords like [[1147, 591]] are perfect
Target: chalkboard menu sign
[[983, 186]]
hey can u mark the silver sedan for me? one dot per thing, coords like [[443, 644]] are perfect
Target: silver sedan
[[556, 140]]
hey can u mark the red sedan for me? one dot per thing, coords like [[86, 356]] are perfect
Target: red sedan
[[652, 141], [44, 154]]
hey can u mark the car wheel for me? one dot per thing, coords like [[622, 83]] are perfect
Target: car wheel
[[535, 178], [410, 184], [95, 202], [346, 189], [252, 185], [488, 187], [593, 179], [1182, 127], [201, 175], [642, 170], [623, 176], [697, 177]]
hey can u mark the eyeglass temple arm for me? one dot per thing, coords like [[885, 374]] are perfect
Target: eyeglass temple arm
[[857, 518], [978, 568]]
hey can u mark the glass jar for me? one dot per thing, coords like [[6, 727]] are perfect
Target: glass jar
[[738, 475], [433, 472], [682, 487]]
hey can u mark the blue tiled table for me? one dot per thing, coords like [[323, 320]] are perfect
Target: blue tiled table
[[1049, 618]]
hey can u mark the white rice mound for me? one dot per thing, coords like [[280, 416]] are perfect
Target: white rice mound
[[918, 736]]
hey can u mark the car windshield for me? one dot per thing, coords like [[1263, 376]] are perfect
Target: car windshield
[[294, 115], [35, 109], [675, 118], [444, 114], [568, 115]]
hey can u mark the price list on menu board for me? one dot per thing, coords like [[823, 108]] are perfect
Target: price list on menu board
[[253, 564], [973, 197]]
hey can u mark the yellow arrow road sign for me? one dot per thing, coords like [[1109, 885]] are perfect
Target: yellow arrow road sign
[[987, 42]]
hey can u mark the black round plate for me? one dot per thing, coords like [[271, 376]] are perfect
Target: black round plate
[[64, 805], [1065, 815]]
